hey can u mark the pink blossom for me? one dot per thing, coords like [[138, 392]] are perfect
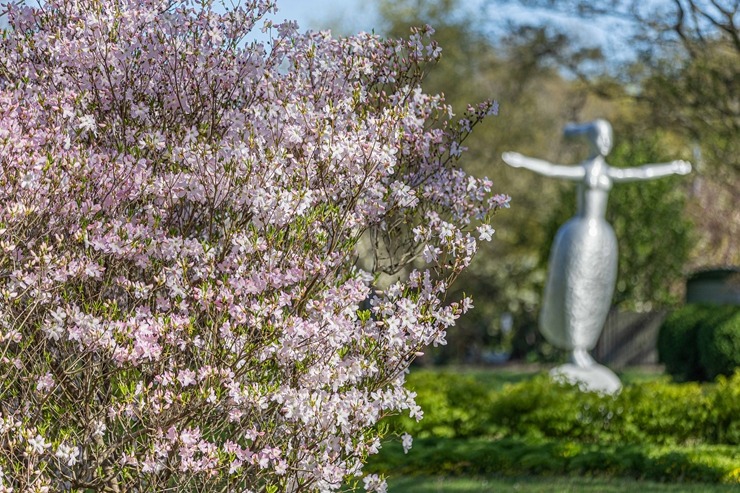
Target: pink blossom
[[37, 445], [192, 231], [186, 377], [406, 441], [67, 454], [485, 232], [375, 483], [45, 383]]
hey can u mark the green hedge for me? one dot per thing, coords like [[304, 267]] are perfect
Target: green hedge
[[657, 430], [454, 405], [513, 457], [659, 412], [719, 346], [699, 342]]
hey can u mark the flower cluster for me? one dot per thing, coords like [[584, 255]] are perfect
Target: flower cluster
[[181, 210]]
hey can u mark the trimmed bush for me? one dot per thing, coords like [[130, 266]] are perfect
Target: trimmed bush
[[719, 346], [676, 348], [725, 409], [678, 341], [454, 406], [512, 457], [658, 412], [667, 413], [655, 430]]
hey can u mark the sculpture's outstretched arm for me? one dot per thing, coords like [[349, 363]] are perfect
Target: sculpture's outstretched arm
[[649, 171], [543, 167]]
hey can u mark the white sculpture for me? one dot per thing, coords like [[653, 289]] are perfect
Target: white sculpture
[[583, 259]]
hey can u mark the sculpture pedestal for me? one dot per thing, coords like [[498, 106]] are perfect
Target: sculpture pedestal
[[593, 378]]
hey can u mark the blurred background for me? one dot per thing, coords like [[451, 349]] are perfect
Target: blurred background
[[663, 72]]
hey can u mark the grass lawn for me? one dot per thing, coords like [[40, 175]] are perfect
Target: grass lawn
[[493, 378], [412, 484]]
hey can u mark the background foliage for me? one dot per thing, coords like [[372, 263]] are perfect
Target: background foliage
[[674, 97]]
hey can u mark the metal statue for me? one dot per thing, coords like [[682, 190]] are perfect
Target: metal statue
[[583, 259]]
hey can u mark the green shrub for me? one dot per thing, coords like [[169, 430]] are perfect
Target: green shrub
[[677, 343], [657, 412], [725, 410], [542, 408], [653, 412], [511, 456], [678, 340], [656, 430], [719, 346], [454, 405], [667, 413]]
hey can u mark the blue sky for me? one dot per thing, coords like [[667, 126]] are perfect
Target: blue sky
[[352, 15], [356, 15], [360, 15]]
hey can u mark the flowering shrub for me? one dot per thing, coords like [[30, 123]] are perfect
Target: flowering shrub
[[180, 210]]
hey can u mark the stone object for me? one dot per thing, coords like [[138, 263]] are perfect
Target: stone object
[[583, 259], [593, 378]]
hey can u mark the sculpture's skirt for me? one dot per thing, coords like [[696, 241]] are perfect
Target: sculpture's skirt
[[580, 284]]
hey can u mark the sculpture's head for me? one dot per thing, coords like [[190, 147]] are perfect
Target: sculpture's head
[[598, 133]]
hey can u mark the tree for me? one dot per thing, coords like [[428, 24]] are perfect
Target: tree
[[685, 77], [524, 69], [180, 305]]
